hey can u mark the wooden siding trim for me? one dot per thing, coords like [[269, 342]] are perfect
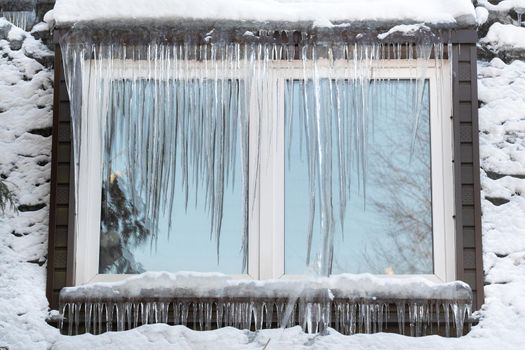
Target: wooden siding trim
[[53, 187], [60, 223], [478, 234], [457, 164], [469, 264]]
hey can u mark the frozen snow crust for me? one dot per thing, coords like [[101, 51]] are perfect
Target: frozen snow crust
[[199, 285], [452, 12]]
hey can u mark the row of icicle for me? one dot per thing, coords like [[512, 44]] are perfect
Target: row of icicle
[[21, 19], [410, 318]]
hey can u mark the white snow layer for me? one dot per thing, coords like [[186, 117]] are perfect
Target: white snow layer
[[404, 29], [217, 285], [503, 6], [482, 15], [26, 96], [429, 11], [505, 37]]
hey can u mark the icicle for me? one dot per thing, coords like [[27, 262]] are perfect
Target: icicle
[[21, 19], [62, 316], [220, 315], [128, 311], [208, 307], [88, 310], [446, 309], [459, 311], [184, 314], [401, 317], [70, 311], [100, 309], [144, 312], [119, 314], [437, 316], [468, 317], [136, 311], [268, 312], [95, 318], [349, 317], [258, 315], [109, 317], [367, 319]]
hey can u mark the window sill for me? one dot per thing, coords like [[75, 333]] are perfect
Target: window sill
[[347, 303]]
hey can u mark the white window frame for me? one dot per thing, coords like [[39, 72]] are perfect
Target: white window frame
[[266, 258]]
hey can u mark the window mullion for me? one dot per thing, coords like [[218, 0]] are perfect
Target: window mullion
[[272, 180]]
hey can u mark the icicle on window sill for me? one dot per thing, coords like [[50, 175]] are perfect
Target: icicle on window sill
[[349, 303]]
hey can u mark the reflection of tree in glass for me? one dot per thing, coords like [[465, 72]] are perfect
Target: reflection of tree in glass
[[122, 229], [6, 198], [403, 176]]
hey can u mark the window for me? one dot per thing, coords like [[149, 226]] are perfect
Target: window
[[398, 220], [127, 242], [385, 224]]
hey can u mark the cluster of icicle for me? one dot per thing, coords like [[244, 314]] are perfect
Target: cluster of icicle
[[193, 107], [347, 317], [21, 19]]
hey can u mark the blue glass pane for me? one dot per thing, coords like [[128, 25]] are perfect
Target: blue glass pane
[[183, 241], [387, 224]]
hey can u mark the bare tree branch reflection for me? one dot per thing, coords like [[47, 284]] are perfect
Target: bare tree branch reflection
[[404, 180]]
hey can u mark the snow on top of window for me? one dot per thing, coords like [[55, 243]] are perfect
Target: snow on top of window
[[429, 11]]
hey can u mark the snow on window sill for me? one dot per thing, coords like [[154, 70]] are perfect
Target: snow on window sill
[[216, 285], [348, 303]]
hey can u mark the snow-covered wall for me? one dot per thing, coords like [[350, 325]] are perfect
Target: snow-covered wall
[[26, 95], [502, 29]]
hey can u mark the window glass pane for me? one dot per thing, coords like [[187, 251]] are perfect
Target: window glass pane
[[127, 243], [387, 225]]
